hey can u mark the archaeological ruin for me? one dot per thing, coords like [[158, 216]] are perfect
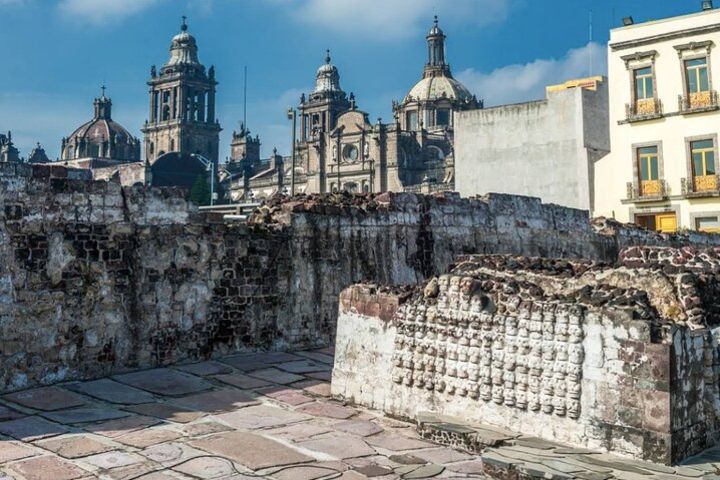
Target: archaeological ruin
[[619, 358], [501, 311]]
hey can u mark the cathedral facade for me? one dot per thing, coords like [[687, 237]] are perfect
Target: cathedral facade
[[340, 148]]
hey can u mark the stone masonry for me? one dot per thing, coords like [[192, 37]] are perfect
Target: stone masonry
[[96, 279], [619, 358]]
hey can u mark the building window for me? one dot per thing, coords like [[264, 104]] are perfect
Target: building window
[[350, 153], [696, 72], [443, 117], [412, 120], [365, 187], [333, 188], [649, 170], [660, 222], [709, 224], [703, 164], [644, 84]]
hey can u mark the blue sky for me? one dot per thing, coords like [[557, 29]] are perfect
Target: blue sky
[[56, 53]]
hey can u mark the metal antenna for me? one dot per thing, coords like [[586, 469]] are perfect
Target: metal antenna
[[590, 46], [245, 99]]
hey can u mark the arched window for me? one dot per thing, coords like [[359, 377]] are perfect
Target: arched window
[[435, 153]]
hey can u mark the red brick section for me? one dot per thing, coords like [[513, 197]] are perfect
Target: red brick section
[[369, 301]]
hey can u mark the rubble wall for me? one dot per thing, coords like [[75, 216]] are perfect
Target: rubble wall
[[616, 358], [96, 279]]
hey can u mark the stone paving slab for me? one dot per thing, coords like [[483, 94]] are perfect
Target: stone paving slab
[[304, 366], [76, 446], [242, 381], [46, 399], [10, 451], [217, 401], [122, 426], [205, 369], [261, 416], [148, 437], [253, 451], [340, 447], [166, 412], [111, 391], [84, 415], [276, 376], [29, 429], [164, 381], [47, 468], [258, 361], [330, 410]]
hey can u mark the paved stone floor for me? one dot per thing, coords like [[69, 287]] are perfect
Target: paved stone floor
[[265, 416], [254, 416]]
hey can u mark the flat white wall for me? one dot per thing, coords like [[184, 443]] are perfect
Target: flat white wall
[[543, 149]]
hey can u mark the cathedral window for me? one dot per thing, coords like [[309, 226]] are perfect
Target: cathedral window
[[350, 153], [443, 117], [412, 120]]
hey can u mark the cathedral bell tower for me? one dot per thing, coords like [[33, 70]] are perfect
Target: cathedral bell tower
[[182, 104]]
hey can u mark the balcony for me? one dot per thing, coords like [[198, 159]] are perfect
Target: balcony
[[701, 186], [649, 190], [698, 102], [645, 109]]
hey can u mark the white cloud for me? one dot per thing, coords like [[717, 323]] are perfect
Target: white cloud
[[101, 12], [392, 18], [523, 82]]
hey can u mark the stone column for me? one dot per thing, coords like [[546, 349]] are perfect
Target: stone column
[[211, 107]]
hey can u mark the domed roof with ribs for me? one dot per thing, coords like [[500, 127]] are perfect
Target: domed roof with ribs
[[101, 137]]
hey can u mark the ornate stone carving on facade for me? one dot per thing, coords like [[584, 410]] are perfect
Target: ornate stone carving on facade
[[518, 353]]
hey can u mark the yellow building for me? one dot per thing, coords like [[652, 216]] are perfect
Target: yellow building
[[662, 171]]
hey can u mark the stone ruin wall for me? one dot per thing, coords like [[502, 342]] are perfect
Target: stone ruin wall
[[96, 279], [622, 359]]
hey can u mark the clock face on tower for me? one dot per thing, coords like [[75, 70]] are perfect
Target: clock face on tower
[[350, 153]]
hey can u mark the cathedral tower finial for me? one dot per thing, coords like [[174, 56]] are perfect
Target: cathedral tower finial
[[327, 56], [436, 48], [184, 26]]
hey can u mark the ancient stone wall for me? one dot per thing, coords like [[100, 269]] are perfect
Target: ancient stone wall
[[95, 278], [618, 358]]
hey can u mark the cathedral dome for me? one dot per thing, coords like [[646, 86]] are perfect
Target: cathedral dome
[[183, 50], [328, 77], [438, 87], [101, 137]]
